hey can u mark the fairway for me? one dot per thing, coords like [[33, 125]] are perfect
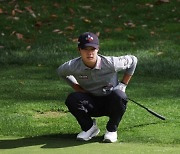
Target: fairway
[[30, 109], [68, 145]]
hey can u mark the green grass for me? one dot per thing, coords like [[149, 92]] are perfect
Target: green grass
[[32, 112], [67, 145], [32, 104]]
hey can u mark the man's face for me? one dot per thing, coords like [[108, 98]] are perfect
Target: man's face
[[89, 54]]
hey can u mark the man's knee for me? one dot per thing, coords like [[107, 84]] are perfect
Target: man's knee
[[120, 99], [71, 99], [120, 95]]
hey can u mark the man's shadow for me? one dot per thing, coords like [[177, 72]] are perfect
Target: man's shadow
[[57, 140], [47, 141]]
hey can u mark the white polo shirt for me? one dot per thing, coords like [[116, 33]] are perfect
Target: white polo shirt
[[103, 75]]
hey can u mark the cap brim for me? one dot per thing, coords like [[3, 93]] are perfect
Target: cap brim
[[90, 45]]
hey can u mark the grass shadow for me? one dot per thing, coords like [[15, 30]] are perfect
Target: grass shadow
[[46, 141], [140, 125], [55, 140]]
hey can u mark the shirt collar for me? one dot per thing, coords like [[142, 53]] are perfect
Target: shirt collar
[[98, 63], [97, 66]]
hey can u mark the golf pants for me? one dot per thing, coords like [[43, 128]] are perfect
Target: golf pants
[[83, 106]]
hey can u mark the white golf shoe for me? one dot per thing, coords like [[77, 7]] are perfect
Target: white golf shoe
[[92, 132], [110, 137]]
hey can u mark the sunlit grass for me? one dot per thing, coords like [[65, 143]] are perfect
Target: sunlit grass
[[34, 106]]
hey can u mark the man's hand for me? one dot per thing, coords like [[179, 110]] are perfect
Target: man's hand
[[124, 82], [121, 86]]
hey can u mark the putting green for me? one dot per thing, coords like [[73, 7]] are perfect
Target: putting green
[[66, 145]]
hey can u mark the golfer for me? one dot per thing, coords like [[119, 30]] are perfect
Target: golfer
[[98, 92]]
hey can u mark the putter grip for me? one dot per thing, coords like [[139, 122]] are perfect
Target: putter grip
[[155, 114]]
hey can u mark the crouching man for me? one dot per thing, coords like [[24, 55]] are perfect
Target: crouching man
[[98, 91]]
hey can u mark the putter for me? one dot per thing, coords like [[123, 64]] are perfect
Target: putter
[[149, 110]]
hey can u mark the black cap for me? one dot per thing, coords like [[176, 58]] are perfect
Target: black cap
[[88, 39]]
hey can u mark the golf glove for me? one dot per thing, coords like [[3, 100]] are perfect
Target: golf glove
[[121, 86]]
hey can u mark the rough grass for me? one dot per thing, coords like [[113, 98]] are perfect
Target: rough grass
[[134, 27]]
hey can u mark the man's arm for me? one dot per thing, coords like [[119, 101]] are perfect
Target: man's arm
[[73, 83], [77, 88], [129, 64], [126, 78], [124, 82], [70, 80]]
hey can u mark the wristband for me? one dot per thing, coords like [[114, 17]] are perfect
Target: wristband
[[123, 83]]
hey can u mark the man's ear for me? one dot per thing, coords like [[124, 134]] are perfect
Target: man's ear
[[96, 50]]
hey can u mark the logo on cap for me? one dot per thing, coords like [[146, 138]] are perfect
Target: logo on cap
[[89, 38]]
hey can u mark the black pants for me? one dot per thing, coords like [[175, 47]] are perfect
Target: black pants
[[84, 106]]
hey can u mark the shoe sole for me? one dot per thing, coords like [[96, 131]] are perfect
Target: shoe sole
[[109, 141], [90, 137]]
